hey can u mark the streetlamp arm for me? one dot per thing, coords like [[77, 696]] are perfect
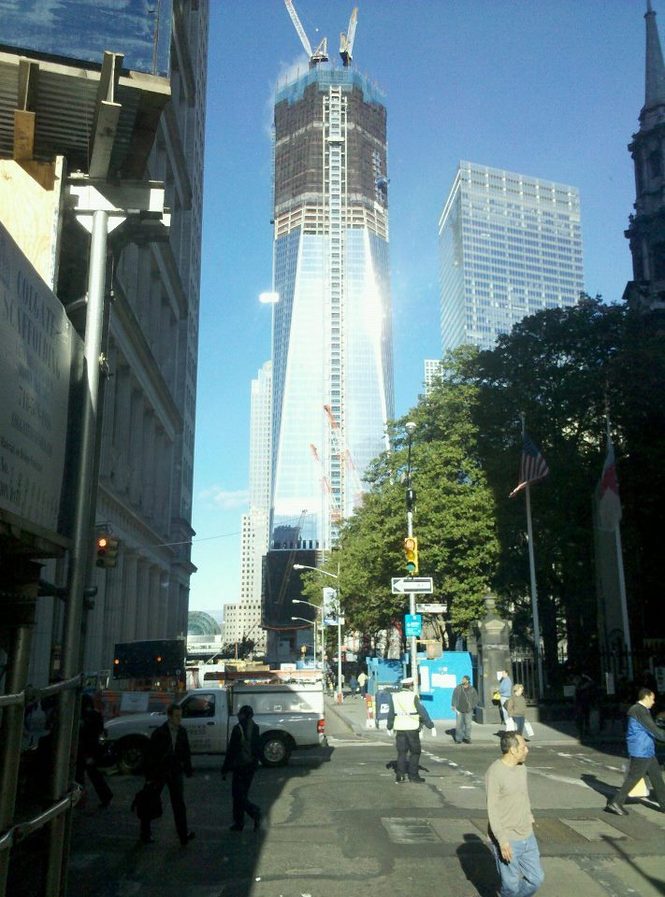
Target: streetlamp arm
[[316, 570]]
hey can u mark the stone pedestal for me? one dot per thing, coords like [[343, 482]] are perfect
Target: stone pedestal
[[492, 634]]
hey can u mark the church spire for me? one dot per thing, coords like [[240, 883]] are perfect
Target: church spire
[[646, 230], [655, 68]]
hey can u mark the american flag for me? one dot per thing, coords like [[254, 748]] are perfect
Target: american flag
[[533, 466]]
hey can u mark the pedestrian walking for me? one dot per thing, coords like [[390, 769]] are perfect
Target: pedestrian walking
[[362, 682], [242, 760], [89, 749], [353, 685], [641, 737], [505, 692], [516, 707], [169, 759], [405, 716], [463, 702], [511, 821]]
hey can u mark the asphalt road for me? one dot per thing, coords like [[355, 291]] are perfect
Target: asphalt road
[[337, 824]]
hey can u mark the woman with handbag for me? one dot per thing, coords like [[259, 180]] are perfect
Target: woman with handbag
[[516, 707]]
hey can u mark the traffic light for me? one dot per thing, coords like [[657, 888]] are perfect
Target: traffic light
[[107, 550], [411, 555]]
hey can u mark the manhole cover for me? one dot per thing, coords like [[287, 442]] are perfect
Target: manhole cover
[[405, 830]]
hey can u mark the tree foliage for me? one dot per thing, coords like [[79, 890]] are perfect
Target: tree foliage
[[562, 368], [453, 518]]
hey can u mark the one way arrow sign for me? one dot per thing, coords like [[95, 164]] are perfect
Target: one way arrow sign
[[407, 585]]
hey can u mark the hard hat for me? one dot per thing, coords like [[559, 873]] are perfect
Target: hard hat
[[408, 680]]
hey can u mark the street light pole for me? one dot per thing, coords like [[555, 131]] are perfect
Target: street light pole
[[410, 502], [340, 694]]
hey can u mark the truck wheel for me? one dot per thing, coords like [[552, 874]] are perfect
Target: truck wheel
[[131, 755], [274, 750]]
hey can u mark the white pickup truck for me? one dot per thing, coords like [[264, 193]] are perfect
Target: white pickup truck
[[289, 717]]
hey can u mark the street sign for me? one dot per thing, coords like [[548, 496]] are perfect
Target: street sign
[[413, 625], [407, 585], [333, 621], [431, 608]]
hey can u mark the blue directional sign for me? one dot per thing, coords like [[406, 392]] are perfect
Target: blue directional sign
[[413, 625]]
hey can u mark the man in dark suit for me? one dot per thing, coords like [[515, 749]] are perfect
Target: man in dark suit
[[169, 758], [242, 759]]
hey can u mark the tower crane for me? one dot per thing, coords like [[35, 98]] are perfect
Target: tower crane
[[344, 454], [321, 52], [346, 40], [335, 512]]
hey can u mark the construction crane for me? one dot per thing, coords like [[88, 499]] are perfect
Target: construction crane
[[321, 52], [342, 451], [335, 513], [346, 40]]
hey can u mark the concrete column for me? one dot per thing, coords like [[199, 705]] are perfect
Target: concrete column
[[128, 600], [492, 636], [136, 448], [149, 463], [121, 427], [143, 628]]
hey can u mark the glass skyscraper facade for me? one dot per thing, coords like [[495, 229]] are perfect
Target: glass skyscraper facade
[[510, 245], [332, 342]]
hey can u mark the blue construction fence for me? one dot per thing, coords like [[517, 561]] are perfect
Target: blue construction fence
[[438, 678]]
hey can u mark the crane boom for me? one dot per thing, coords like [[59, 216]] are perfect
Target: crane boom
[[304, 40], [346, 40]]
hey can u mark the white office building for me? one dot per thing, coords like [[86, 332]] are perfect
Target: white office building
[[510, 246]]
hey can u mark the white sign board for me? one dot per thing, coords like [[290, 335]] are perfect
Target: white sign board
[[134, 702], [405, 585], [431, 608], [35, 353]]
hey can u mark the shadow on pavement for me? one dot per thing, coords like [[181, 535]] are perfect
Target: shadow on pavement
[[597, 785], [107, 859], [478, 864], [658, 884]]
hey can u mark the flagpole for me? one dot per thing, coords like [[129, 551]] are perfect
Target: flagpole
[[532, 577], [621, 579], [624, 603]]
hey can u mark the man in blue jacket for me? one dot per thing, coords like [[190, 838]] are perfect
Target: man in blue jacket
[[641, 738]]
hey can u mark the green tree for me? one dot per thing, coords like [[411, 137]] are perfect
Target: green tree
[[561, 368], [453, 518]]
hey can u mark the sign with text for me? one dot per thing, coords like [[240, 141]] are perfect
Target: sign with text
[[35, 356], [407, 585], [431, 608], [413, 625]]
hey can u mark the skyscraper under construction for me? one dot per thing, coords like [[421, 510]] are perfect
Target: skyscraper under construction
[[332, 344]]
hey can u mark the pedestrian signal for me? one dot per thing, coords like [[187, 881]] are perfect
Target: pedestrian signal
[[411, 555]]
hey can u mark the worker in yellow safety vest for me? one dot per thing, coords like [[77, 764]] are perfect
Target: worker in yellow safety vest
[[405, 717]]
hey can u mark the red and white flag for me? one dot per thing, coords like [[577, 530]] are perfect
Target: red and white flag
[[609, 502]]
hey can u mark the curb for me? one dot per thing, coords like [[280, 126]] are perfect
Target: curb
[[549, 738]]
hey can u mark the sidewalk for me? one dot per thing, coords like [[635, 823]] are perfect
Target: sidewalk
[[353, 712]]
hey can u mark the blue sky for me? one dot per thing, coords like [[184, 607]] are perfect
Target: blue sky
[[549, 88]]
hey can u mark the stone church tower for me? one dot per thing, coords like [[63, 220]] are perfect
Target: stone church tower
[[646, 231]]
